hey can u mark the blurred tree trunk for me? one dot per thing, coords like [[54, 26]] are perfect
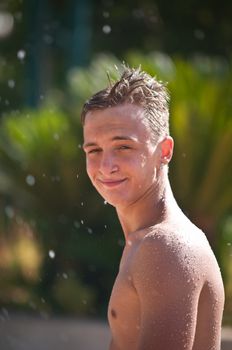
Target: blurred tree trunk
[[81, 38], [35, 11]]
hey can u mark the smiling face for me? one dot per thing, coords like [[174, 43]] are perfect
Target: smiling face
[[122, 161]]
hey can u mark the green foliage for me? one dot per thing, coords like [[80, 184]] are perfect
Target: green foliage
[[42, 164], [40, 153], [72, 296], [202, 127], [225, 248]]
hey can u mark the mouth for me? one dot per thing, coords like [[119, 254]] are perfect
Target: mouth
[[111, 183]]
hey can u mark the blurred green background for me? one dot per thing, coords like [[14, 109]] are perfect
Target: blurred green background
[[60, 244]]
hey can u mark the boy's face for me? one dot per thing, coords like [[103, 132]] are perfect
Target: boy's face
[[122, 161]]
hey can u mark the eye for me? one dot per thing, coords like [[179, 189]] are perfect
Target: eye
[[124, 147], [94, 150]]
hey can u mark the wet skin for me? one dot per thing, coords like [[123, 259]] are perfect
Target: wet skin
[[168, 293]]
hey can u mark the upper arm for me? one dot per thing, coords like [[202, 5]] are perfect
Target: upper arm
[[168, 298]]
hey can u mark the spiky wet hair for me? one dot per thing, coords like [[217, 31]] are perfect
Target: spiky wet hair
[[139, 88]]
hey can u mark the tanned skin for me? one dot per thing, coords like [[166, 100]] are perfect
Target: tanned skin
[[168, 294]]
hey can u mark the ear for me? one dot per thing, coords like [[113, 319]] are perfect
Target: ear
[[166, 147]]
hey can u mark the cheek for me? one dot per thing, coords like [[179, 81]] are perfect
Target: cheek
[[90, 167]]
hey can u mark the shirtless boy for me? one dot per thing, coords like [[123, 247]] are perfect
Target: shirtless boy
[[168, 294]]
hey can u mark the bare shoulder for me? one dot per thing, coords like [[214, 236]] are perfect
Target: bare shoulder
[[178, 283], [175, 256]]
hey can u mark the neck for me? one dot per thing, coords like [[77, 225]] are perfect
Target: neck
[[156, 206]]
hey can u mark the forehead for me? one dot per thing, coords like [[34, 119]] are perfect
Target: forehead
[[125, 119]]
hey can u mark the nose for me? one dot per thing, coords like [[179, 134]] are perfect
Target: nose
[[108, 164]]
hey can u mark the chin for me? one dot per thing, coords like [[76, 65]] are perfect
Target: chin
[[119, 202]]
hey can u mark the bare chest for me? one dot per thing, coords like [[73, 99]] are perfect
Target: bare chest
[[123, 310]]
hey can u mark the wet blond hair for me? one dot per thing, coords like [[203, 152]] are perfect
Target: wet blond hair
[[139, 88]]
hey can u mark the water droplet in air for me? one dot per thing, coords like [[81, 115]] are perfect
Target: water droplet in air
[[89, 230], [6, 23], [48, 39], [199, 34], [5, 313], [105, 202], [76, 224], [9, 211], [51, 254], [106, 14], [30, 180], [106, 29], [11, 83], [21, 54], [56, 136], [82, 222], [65, 276], [121, 242]]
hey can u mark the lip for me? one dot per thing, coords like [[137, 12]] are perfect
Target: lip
[[111, 183]]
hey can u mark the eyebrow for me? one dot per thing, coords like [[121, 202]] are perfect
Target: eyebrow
[[115, 138]]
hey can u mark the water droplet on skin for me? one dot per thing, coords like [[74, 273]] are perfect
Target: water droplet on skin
[[129, 242], [51, 254], [30, 180], [106, 29]]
